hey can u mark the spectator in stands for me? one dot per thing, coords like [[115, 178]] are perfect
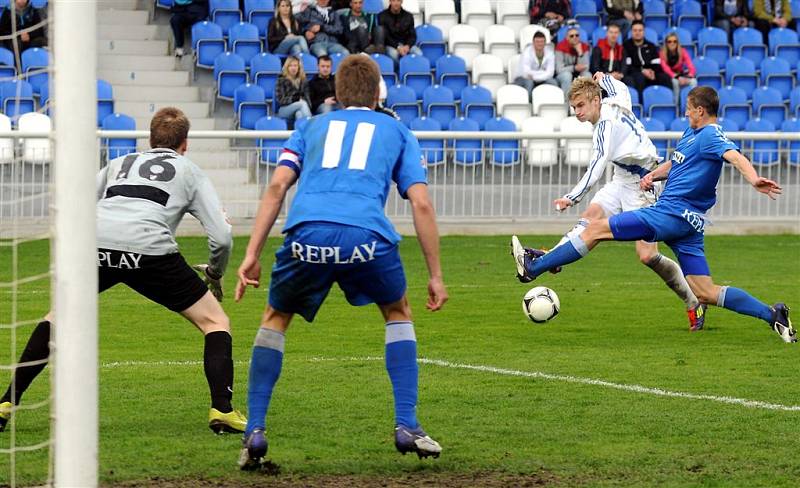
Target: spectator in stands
[[623, 13], [642, 61], [283, 33], [607, 55], [322, 27], [291, 91], [677, 64], [772, 13], [550, 13], [572, 59], [322, 88], [362, 32], [300, 5], [399, 32], [26, 18], [537, 64], [730, 15]]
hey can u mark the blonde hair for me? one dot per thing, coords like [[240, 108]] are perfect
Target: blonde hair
[[665, 51], [584, 87], [358, 81], [301, 73]]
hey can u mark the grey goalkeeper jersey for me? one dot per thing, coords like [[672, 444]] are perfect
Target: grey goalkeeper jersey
[[142, 197]]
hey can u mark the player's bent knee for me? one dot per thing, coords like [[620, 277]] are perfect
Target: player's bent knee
[[397, 311]]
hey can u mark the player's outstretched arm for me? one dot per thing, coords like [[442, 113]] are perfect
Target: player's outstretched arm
[[428, 235], [658, 174], [271, 201], [745, 167]]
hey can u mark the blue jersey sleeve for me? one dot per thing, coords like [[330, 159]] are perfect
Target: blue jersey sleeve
[[293, 151], [717, 143], [410, 168]]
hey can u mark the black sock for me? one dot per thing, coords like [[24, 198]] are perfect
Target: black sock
[[38, 348], [218, 365]]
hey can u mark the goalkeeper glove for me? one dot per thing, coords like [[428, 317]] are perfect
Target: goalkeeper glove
[[214, 283]]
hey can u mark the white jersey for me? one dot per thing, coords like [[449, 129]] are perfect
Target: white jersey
[[142, 197], [619, 138]]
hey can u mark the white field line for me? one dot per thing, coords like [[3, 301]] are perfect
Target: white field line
[[645, 390]]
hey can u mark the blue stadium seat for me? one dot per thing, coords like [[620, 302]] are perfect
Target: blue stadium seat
[[733, 105], [403, 101], [386, 65], [118, 147], [466, 151], [432, 149], [243, 40], [451, 71], [207, 43], [264, 71], [503, 152], [776, 73], [36, 59], [271, 148], [300, 123], [659, 104], [586, 13], [259, 13], [784, 44], [105, 101], [7, 64], [655, 15], [794, 102], [707, 73], [728, 125], [431, 42], [741, 73], [373, 6], [44, 99], [562, 33], [476, 104], [229, 73], [685, 38], [655, 125], [249, 105], [165, 4], [598, 33], [792, 147], [635, 102], [309, 62], [749, 43], [689, 15], [712, 43], [438, 103], [415, 72], [679, 125], [684, 94], [224, 13], [768, 105], [17, 98], [336, 59], [764, 153], [650, 34]]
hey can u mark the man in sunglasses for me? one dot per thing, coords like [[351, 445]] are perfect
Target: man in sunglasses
[[572, 59]]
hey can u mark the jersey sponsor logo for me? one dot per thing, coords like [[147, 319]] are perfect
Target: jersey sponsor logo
[[121, 260], [696, 220], [678, 157], [333, 254]]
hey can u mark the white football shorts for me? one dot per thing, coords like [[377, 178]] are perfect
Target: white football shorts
[[616, 197]]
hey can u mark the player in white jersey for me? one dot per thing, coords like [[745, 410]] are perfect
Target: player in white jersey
[[620, 139], [141, 199]]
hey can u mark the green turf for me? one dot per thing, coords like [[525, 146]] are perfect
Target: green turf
[[618, 323]]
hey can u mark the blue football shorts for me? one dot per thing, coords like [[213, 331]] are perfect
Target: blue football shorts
[[683, 233], [316, 255]]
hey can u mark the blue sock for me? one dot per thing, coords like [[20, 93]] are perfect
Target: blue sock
[[566, 253], [265, 368], [401, 364], [742, 302]]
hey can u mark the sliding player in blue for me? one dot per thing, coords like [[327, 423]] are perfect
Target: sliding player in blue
[[678, 218], [337, 232]]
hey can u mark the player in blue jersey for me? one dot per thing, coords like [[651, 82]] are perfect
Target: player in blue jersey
[[678, 218], [336, 231]]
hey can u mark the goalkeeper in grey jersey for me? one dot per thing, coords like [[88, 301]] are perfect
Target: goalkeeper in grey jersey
[[141, 199]]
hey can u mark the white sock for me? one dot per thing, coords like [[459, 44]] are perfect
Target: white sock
[[671, 273], [580, 226]]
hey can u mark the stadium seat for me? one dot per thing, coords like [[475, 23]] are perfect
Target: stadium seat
[[17, 98], [749, 43], [549, 102], [265, 69], [777, 73], [403, 101], [576, 152], [762, 153], [512, 103], [386, 65], [224, 13], [309, 62], [649, 35], [794, 102], [431, 42], [6, 144], [712, 43], [451, 71], [476, 104], [586, 13], [733, 105], [373, 6], [7, 64], [540, 152], [35, 150], [337, 58], [684, 94], [513, 67], [119, 147], [741, 73], [655, 125], [243, 40], [527, 32], [438, 103], [499, 40], [249, 105], [792, 147], [503, 152], [659, 104], [655, 15], [301, 122], [105, 101], [768, 105], [636, 104], [513, 15], [35, 62], [207, 43], [478, 14], [229, 73], [679, 125], [413, 7], [432, 149], [489, 72], [259, 13], [467, 152], [707, 73], [583, 33], [442, 14], [689, 15], [165, 4], [598, 33], [415, 72], [270, 149], [728, 125], [784, 44], [464, 41]]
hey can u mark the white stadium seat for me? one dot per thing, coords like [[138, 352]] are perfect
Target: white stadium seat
[[541, 152], [513, 13], [576, 152], [442, 14], [548, 102], [512, 103], [35, 150], [513, 67], [6, 145], [500, 41], [527, 32], [413, 7], [487, 71], [464, 42], [478, 14]]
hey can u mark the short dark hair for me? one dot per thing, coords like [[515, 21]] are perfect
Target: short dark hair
[[324, 57], [706, 97], [610, 25], [637, 22], [539, 34], [168, 128], [358, 81]]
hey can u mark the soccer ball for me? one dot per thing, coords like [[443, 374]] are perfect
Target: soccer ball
[[540, 304]]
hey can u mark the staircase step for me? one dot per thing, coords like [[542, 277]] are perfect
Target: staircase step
[[147, 109], [143, 123], [117, 4], [133, 32], [139, 48], [142, 63], [122, 17], [144, 78], [222, 178], [156, 93]]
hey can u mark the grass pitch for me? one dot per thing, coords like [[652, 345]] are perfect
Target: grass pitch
[[535, 418]]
